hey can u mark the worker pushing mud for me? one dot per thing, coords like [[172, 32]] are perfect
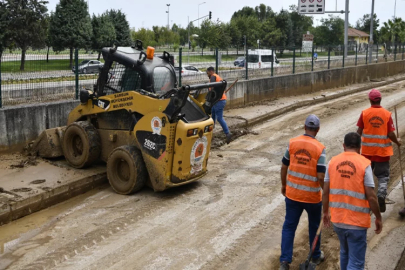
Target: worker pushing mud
[[376, 128], [349, 194], [302, 174]]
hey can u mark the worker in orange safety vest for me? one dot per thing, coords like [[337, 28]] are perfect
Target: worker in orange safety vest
[[376, 128], [349, 194], [218, 108], [302, 173]]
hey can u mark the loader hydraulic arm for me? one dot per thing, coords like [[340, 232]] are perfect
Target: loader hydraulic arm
[[179, 99]]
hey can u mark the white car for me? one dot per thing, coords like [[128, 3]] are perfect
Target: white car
[[188, 70], [261, 59]]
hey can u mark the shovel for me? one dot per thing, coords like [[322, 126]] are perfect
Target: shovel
[[308, 265]]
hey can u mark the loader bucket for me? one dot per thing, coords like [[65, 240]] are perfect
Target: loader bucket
[[48, 144]]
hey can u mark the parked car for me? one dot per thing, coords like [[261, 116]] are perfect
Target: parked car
[[238, 61], [262, 59], [89, 66], [241, 63], [188, 70]]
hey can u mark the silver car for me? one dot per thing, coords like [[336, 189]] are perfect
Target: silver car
[[89, 66]]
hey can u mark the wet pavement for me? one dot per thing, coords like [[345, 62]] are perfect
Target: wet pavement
[[230, 219]]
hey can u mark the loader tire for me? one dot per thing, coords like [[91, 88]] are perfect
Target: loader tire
[[81, 144], [126, 170]]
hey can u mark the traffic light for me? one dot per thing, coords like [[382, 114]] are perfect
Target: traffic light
[[210, 15]]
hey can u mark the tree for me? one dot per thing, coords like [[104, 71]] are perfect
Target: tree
[[145, 35], [5, 34], [103, 32], [28, 24], [363, 24], [330, 32], [70, 26], [301, 24], [393, 32], [121, 26], [285, 24]]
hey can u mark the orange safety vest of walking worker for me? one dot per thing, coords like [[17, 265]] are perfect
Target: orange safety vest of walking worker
[[302, 181], [219, 79], [347, 198], [375, 141]]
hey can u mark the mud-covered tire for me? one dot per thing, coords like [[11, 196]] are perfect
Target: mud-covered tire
[[126, 170], [81, 144]]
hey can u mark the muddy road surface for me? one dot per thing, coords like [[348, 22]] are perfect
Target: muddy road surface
[[230, 219]]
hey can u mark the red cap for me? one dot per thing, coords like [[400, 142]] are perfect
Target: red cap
[[374, 95]]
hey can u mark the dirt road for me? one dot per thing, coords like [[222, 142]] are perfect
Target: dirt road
[[231, 219]]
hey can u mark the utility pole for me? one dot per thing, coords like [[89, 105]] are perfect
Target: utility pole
[[395, 9], [371, 42], [346, 28], [199, 13], [168, 15]]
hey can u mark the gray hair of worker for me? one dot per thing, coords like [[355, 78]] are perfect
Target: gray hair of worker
[[352, 140]]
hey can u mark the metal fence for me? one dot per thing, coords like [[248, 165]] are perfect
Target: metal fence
[[48, 76]]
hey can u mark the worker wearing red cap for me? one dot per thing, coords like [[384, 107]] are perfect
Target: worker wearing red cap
[[376, 128]]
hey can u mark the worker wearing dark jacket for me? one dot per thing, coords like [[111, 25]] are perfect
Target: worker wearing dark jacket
[[376, 128], [302, 174], [218, 108]]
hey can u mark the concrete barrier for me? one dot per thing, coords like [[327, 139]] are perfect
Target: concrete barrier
[[22, 124]]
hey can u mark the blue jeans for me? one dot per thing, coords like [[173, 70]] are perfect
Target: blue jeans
[[218, 114], [293, 213], [353, 245]]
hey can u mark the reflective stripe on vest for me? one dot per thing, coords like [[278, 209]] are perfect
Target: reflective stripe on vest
[[303, 188], [302, 181], [350, 193], [303, 176], [377, 144], [368, 136], [375, 141], [350, 207], [347, 197]]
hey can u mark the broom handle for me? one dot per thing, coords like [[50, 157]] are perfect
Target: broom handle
[[399, 153]]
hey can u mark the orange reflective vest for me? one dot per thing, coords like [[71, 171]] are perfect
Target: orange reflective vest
[[219, 79], [347, 199], [375, 141], [302, 181]]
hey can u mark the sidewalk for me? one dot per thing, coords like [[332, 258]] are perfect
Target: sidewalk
[[30, 184]]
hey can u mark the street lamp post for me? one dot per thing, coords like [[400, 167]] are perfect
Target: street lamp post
[[168, 14], [371, 41], [199, 13]]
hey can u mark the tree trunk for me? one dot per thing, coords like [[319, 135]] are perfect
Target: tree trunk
[[202, 51], [99, 55], [47, 55], [71, 58], [237, 50], [23, 59]]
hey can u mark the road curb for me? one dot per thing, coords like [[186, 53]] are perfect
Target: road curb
[[45, 199], [257, 120]]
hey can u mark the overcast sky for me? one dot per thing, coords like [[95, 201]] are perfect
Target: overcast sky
[[147, 13]]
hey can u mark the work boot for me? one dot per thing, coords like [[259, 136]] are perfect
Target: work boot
[[320, 259], [284, 266], [228, 138], [381, 203]]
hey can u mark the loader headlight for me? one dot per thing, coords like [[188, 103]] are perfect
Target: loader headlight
[[192, 132], [208, 128]]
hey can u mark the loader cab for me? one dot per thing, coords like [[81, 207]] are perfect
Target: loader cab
[[130, 69]]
